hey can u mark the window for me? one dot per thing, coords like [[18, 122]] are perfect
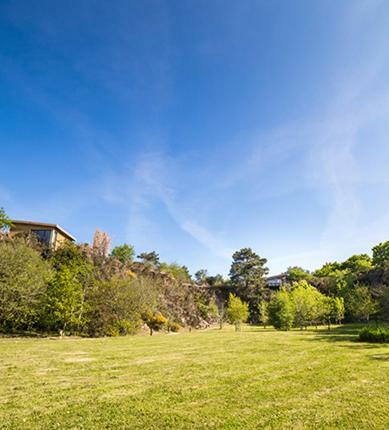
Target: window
[[42, 235]]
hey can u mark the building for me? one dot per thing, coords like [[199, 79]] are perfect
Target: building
[[50, 234], [276, 282]]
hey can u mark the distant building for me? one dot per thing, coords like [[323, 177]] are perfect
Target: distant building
[[50, 234], [277, 281]]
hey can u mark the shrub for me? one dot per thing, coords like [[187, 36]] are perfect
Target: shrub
[[174, 327], [374, 334], [154, 321]]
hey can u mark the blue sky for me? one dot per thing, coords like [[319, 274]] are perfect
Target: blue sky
[[195, 128]]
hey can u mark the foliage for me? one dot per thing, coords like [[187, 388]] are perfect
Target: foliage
[[359, 303], [180, 273], [173, 326], [237, 311], [201, 276], [23, 282], [281, 311], [295, 274], [124, 253], [5, 222], [247, 276], [327, 269], [155, 321], [216, 281], [333, 310], [149, 259], [114, 307], [374, 334], [358, 264], [381, 254], [306, 300], [65, 301]]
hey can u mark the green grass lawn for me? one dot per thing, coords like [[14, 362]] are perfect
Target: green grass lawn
[[254, 379]]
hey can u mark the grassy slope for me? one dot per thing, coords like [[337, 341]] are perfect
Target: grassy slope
[[253, 379]]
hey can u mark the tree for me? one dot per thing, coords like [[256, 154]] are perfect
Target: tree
[[66, 294], [304, 298], [358, 264], [359, 303], [237, 311], [332, 310], [154, 321], [216, 281], [150, 259], [381, 254], [65, 301], [281, 311], [180, 273], [295, 274], [247, 276], [201, 276], [263, 313], [327, 269], [23, 284], [5, 222], [125, 253], [114, 307]]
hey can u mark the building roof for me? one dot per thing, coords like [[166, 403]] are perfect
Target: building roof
[[280, 276], [16, 222]]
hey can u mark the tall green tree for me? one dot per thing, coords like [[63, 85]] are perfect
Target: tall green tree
[[237, 311], [281, 311], [332, 310], [304, 298], [23, 285], [247, 274], [360, 304], [75, 274], [125, 253]]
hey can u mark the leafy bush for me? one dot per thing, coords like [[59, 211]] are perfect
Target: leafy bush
[[374, 334], [155, 321], [174, 327]]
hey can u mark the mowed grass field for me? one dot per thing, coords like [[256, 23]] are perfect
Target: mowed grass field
[[254, 379]]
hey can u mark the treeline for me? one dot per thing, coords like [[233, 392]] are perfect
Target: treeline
[[355, 290], [85, 290], [77, 290]]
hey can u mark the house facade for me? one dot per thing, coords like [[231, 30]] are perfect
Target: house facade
[[51, 235], [276, 282]]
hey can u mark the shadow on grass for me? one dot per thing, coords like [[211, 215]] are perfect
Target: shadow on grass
[[347, 333]]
